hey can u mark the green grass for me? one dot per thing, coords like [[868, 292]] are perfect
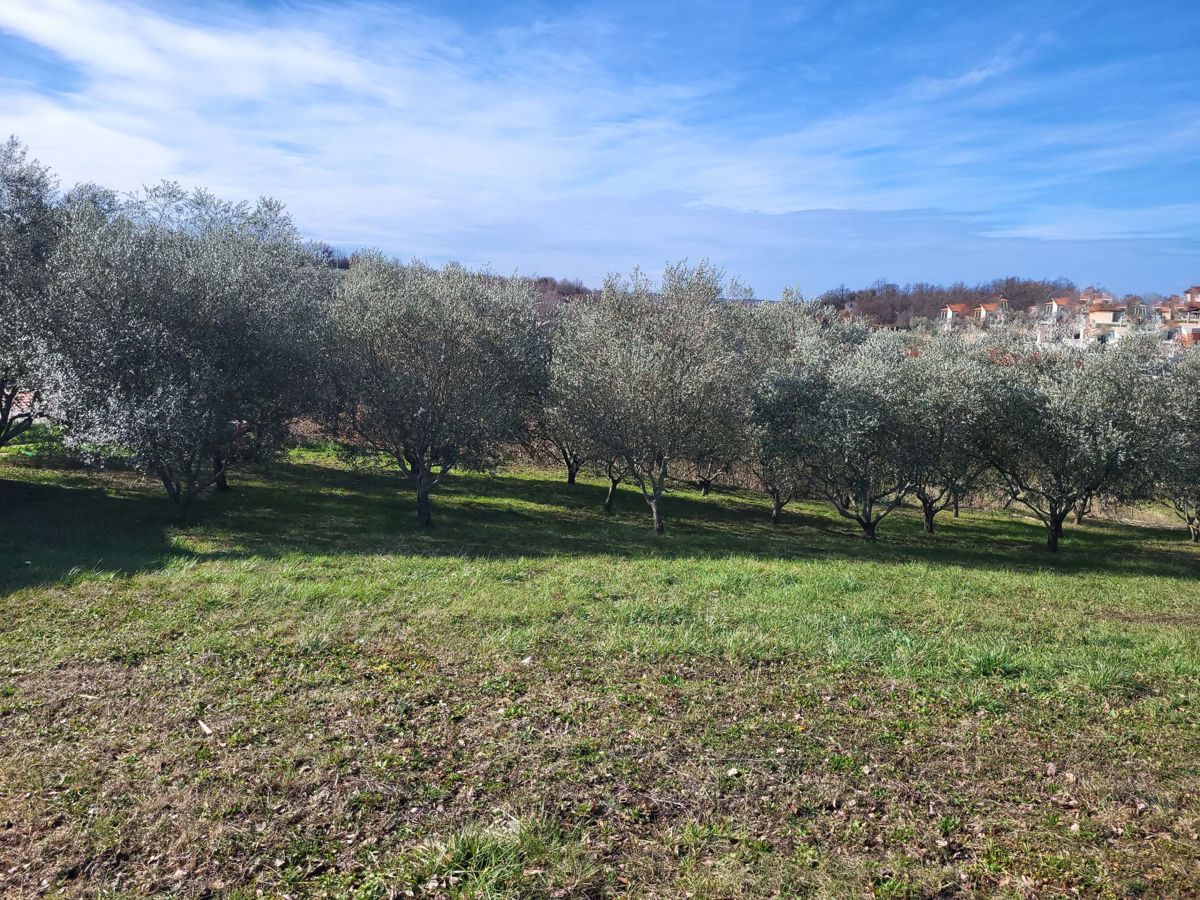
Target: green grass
[[301, 694]]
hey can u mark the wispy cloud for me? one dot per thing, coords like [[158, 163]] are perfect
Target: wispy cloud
[[533, 145]]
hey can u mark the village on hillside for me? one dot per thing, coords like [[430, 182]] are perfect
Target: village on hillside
[[1086, 318]]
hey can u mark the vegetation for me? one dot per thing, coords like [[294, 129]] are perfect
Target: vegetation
[[28, 230], [177, 327], [846, 429], [182, 333], [1176, 453], [437, 368], [653, 375], [305, 693], [1069, 426]]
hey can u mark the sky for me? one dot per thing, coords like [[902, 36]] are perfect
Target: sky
[[807, 145]]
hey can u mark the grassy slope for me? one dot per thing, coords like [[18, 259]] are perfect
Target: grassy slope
[[536, 698]]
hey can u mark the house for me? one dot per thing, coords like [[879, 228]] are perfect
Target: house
[[993, 311], [1192, 294], [1096, 297], [1107, 322], [1182, 322], [1060, 309], [955, 314], [1062, 319], [1102, 314]]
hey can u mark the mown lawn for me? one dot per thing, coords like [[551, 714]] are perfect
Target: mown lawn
[[301, 695]]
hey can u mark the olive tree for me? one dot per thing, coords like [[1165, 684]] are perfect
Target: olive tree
[[725, 440], [557, 428], [947, 412], [780, 335], [1068, 424], [779, 478], [29, 221], [560, 423], [653, 373], [175, 326], [441, 368], [841, 422], [1176, 464]]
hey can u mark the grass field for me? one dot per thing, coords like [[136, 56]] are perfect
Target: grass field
[[301, 695]]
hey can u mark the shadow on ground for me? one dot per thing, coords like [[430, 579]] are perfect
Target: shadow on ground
[[53, 525]]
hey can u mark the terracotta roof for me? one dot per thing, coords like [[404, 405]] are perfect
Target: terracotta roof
[[991, 307], [959, 308]]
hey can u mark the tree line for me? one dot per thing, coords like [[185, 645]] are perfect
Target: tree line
[[904, 306], [190, 333]]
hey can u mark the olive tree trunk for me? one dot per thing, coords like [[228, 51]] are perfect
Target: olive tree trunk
[[610, 499], [656, 475], [573, 464], [1054, 527], [182, 495], [219, 470], [928, 512], [424, 509], [659, 526]]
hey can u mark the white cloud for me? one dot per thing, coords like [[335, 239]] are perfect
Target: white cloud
[[523, 146]]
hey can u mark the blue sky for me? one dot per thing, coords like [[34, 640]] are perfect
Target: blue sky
[[805, 144]]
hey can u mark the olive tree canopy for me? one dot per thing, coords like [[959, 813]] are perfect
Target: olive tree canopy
[[441, 368], [653, 371], [1066, 424], [784, 334], [842, 422], [1177, 456], [947, 413], [176, 325], [561, 420], [29, 220]]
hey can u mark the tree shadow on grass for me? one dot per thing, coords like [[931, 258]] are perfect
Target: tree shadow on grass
[[533, 514], [50, 530], [125, 526]]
